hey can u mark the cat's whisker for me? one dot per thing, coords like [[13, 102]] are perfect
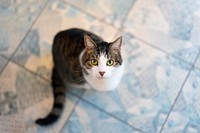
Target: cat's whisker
[[78, 71], [80, 79]]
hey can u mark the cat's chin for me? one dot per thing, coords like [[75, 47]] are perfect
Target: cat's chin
[[101, 78]]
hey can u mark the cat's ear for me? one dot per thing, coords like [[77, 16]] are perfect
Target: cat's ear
[[89, 43], [116, 45]]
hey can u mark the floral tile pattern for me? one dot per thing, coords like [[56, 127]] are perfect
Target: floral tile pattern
[[29, 97], [12, 81], [170, 25], [161, 45], [113, 12], [185, 116], [87, 119], [16, 18], [8, 102], [147, 91]]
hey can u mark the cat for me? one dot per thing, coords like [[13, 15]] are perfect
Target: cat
[[84, 60]]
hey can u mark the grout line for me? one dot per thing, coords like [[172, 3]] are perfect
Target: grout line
[[30, 71], [126, 16], [85, 12], [7, 61], [75, 95], [34, 22], [21, 42], [111, 115], [101, 19], [161, 50], [197, 67], [155, 47], [147, 43], [179, 92]]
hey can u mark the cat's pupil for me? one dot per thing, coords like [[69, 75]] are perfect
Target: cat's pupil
[[110, 62], [94, 62]]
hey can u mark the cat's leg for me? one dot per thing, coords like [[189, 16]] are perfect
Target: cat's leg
[[59, 100]]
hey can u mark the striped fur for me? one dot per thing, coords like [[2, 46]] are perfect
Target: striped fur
[[71, 57], [66, 50], [59, 100]]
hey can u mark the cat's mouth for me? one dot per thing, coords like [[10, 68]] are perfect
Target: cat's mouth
[[101, 78]]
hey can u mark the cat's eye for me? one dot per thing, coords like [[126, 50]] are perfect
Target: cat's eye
[[94, 62], [110, 62]]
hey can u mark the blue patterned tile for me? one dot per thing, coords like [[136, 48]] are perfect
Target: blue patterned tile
[[16, 17], [147, 90], [8, 102], [35, 52], [28, 88], [19, 91], [185, 116], [30, 97], [171, 25], [87, 119], [3, 63], [113, 12]]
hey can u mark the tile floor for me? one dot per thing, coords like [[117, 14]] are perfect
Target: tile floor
[[160, 90]]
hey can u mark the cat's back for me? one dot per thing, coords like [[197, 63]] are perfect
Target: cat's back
[[71, 42], [79, 34], [74, 35]]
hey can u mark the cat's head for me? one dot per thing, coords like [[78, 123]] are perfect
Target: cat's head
[[101, 59]]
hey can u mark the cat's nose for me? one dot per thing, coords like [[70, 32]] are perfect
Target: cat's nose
[[101, 73]]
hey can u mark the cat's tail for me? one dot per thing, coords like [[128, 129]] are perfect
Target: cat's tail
[[59, 100]]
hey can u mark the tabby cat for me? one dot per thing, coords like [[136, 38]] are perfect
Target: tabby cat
[[84, 60]]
